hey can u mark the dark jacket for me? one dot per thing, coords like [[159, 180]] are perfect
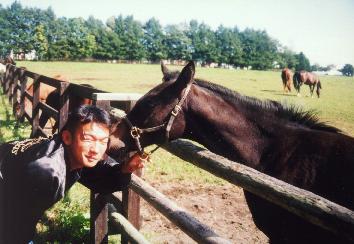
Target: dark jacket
[[34, 176]]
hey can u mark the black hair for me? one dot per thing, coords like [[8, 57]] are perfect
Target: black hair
[[86, 114]]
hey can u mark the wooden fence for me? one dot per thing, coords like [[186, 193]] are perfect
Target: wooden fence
[[313, 208]]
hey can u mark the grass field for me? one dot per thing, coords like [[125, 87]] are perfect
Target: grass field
[[334, 106]]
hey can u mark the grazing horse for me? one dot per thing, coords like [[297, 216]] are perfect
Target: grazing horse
[[304, 77], [312, 155], [287, 76]]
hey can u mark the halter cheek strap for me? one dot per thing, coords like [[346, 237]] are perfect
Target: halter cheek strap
[[135, 132], [176, 111]]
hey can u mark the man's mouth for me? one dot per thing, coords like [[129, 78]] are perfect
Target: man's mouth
[[91, 159]]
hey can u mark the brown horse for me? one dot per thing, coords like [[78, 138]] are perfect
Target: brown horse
[[307, 78], [249, 131], [287, 78], [44, 91], [53, 100]]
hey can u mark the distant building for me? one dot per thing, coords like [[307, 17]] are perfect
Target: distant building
[[329, 72]]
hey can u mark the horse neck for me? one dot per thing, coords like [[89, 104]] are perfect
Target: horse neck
[[223, 129]]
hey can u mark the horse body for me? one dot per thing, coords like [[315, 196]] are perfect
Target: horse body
[[307, 78], [44, 91], [285, 143], [287, 76], [53, 100]]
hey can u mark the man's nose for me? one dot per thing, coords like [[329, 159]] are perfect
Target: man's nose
[[95, 147]]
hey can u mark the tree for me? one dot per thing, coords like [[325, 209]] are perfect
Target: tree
[[347, 70], [177, 43], [153, 40], [203, 41], [130, 32], [303, 62], [229, 46], [286, 58], [259, 50], [40, 42]]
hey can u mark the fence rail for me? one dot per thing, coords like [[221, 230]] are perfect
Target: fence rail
[[313, 208]]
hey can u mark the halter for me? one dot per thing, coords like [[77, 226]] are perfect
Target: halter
[[136, 132]]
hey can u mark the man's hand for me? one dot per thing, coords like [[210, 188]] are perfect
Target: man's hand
[[134, 163]]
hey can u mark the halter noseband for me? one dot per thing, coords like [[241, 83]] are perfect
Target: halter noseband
[[135, 132]]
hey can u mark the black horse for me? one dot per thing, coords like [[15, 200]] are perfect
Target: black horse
[[283, 142]]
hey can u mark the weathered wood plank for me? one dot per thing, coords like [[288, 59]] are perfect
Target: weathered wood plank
[[131, 200], [124, 226], [313, 208], [98, 219], [64, 105], [35, 108], [29, 96], [43, 79], [48, 109]]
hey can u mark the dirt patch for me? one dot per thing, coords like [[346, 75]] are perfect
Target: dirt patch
[[223, 208]]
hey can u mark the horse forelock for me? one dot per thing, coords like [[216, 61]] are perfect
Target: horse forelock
[[291, 113]]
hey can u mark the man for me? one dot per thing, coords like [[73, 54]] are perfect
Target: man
[[36, 173]]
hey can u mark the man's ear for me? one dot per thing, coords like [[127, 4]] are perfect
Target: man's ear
[[66, 137]]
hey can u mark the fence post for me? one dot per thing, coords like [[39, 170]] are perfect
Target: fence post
[[98, 206], [23, 82], [98, 219], [15, 101], [63, 104], [35, 107], [13, 79], [7, 79], [131, 200]]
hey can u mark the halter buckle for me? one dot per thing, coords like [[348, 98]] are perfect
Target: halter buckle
[[176, 110], [144, 155], [135, 132]]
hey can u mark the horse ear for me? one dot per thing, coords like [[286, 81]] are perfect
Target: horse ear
[[164, 69], [187, 75]]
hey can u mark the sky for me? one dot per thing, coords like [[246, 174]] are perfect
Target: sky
[[322, 29]]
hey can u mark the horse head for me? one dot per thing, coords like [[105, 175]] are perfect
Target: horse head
[[157, 116]]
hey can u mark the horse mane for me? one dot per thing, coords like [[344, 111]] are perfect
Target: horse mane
[[292, 113]]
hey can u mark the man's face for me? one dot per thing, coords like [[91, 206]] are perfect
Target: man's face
[[87, 144]]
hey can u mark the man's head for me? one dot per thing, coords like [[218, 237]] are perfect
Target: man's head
[[85, 136]]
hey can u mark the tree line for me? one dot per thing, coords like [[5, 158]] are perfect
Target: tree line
[[24, 29]]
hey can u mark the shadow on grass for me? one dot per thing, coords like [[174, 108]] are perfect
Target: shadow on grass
[[277, 93], [285, 94]]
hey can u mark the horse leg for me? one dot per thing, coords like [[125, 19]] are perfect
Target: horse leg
[[312, 87], [284, 85], [298, 90], [281, 226], [318, 88], [288, 84]]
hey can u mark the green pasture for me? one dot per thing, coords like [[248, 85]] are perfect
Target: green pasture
[[334, 106]]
